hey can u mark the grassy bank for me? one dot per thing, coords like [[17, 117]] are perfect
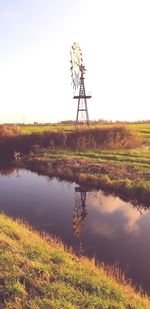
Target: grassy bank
[[123, 172], [37, 272]]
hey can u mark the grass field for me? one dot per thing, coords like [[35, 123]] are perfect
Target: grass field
[[138, 160], [29, 129], [142, 128], [37, 272]]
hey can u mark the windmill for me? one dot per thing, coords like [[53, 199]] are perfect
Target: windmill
[[77, 74]]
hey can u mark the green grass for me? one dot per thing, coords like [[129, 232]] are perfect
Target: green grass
[[143, 129], [29, 129], [139, 158], [37, 272]]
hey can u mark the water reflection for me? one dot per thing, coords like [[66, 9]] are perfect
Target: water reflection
[[114, 231], [105, 205], [79, 210], [112, 209], [8, 171]]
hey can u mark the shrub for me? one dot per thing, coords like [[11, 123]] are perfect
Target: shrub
[[113, 137], [9, 130]]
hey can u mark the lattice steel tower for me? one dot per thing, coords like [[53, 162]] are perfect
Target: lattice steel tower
[[77, 73]]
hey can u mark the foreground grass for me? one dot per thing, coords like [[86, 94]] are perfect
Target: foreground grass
[[37, 272]]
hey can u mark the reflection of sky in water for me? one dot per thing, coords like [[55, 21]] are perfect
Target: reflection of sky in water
[[115, 231], [119, 234], [113, 210]]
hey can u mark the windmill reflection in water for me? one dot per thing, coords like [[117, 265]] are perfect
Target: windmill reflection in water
[[79, 210]]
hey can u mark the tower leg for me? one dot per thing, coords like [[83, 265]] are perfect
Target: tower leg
[[87, 114], [78, 108]]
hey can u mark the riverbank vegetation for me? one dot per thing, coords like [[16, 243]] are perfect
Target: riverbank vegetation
[[113, 157], [122, 172], [142, 128], [105, 137], [37, 272]]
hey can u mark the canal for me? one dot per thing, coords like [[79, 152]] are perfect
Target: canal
[[93, 223]]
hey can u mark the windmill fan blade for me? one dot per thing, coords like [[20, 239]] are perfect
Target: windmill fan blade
[[76, 63]]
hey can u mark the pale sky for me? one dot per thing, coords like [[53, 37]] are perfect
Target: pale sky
[[35, 41]]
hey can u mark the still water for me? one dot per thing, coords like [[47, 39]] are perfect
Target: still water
[[113, 231]]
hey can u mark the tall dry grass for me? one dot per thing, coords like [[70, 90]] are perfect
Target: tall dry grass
[[114, 137], [107, 137], [9, 130]]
